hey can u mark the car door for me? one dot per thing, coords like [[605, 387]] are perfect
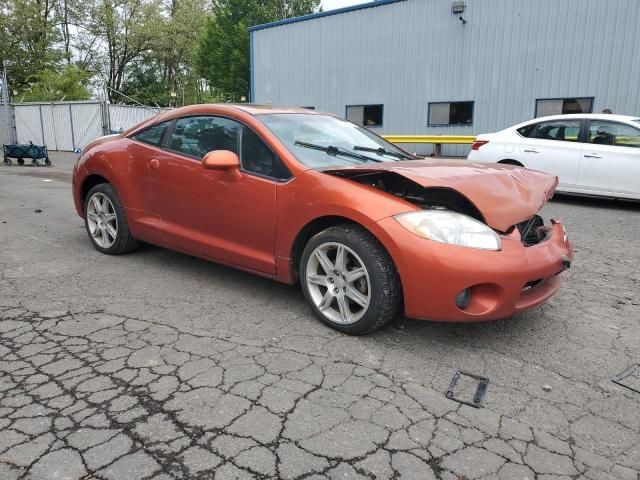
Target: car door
[[611, 158], [144, 146], [554, 147], [229, 216]]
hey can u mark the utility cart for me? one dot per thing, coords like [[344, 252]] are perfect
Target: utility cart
[[38, 154]]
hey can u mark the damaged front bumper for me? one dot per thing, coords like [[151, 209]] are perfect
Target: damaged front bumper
[[450, 283]]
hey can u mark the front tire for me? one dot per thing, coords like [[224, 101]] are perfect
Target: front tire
[[106, 222], [349, 280]]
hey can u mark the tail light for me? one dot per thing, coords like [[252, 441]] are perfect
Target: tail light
[[478, 143]]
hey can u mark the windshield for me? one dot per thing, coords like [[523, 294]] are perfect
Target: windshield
[[329, 137]]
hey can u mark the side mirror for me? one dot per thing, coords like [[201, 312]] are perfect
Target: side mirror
[[221, 160]]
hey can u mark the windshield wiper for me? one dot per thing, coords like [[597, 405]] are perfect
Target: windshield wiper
[[384, 151], [333, 151]]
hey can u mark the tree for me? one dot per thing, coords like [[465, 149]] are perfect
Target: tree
[[165, 73], [222, 54], [70, 83], [28, 39], [128, 29]]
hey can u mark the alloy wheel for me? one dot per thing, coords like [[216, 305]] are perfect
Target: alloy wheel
[[102, 220], [338, 283]]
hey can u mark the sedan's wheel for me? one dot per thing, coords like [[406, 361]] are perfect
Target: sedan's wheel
[[349, 280], [106, 222]]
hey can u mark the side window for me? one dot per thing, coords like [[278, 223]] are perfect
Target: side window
[[617, 134], [197, 136], [152, 135], [561, 130], [257, 158], [527, 130]]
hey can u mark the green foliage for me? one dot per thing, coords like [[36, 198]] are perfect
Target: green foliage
[[166, 52], [164, 74], [222, 54], [28, 39], [70, 83]]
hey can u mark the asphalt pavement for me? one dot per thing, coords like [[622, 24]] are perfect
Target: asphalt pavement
[[160, 365]]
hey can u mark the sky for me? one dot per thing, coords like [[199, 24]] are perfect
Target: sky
[[333, 4]]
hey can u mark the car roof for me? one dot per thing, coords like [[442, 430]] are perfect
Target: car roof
[[249, 108], [592, 116], [230, 109]]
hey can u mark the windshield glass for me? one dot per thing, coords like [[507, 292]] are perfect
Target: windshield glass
[[299, 130]]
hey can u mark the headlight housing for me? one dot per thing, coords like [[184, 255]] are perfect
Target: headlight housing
[[450, 227]]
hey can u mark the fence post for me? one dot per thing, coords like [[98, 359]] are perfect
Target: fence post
[[8, 110], [73, 139], [106, 120]]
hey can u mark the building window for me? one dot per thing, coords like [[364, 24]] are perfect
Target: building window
[[366, 115], [562, 106], [450, 113]]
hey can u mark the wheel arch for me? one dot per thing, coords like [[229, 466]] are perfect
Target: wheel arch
[[322, 223], [310, 229], [88, 183]]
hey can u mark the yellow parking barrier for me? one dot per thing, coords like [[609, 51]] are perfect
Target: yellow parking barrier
[[436, 140], [433, 139]]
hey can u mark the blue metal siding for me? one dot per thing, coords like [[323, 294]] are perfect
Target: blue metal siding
[[409, 53]]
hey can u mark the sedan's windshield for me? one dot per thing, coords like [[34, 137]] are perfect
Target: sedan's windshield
[[321, 141]]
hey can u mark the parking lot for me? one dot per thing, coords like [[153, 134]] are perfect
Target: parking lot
[[159, 365]]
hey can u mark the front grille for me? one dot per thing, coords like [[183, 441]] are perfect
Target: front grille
[[532, 231]]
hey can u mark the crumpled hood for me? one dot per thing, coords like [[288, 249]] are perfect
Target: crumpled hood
[[504, 194]]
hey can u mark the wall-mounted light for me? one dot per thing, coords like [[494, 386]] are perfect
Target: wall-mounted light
[[457, 8]]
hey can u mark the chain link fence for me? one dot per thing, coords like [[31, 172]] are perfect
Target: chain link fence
[[67, 126]]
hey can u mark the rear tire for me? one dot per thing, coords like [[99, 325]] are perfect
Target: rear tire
[[7, 161], [21, 161], [106, 221], [356, 291]]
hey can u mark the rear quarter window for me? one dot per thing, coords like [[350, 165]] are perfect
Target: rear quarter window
[[527, 130]]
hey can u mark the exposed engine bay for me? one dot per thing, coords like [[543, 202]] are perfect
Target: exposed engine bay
[[532, 231], [425, 198]]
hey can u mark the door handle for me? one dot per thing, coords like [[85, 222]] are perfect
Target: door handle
[[153, 164], [531, 150], [593, 155]]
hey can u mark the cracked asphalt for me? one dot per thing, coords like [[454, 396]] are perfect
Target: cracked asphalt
[[159, 365]]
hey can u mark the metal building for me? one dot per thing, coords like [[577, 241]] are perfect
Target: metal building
[[449, 67]]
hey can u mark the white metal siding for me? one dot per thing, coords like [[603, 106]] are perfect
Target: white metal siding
[[407, 54], [4, 127], [123, 117]]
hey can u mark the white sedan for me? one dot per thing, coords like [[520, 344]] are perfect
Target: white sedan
[[592, 154]]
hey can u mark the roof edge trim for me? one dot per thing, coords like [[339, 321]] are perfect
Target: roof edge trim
[[338, 11]]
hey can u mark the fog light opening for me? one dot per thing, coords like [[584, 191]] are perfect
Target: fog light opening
[[463, 299]]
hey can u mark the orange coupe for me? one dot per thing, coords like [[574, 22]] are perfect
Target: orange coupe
[[295, 195]]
